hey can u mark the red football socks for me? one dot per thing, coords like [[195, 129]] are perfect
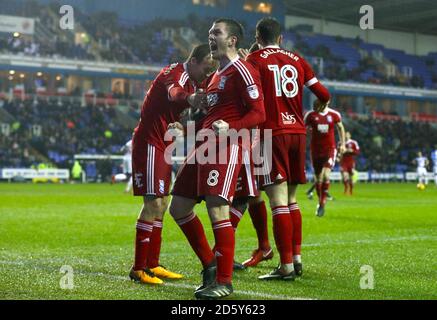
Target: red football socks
[[258, 214], [142, 241], [224, 250], [283, 231], [195, 234], [235, 216], [296, 218], [155, 244]]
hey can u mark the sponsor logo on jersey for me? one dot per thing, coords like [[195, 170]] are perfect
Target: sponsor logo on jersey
[[323, 128], [212, 99], [253, 91], [288, 118], [222, 82]]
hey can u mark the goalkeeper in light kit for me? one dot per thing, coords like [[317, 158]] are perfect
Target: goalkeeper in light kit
[[322, 122]]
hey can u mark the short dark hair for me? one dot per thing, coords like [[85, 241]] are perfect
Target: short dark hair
[[234, 29], [268, 29], [199, 52]]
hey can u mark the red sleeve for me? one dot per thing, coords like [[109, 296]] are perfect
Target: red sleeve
[[252, 97], [174, 80], [337, 117]]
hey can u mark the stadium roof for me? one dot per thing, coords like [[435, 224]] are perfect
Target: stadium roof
[[403, 15]]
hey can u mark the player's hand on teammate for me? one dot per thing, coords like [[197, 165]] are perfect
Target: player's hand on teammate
[[220, 127], [243, 53], [198, 100], [177, 127]]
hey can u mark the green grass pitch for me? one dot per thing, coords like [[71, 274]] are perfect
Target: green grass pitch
[[390, 227]]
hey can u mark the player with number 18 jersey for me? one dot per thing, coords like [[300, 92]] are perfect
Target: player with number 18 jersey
[[283, 75]]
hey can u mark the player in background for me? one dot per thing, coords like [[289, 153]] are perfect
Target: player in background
[[235, 101], [422, 163], [347, 163], [322, 122], [127, 164], [284, 75], [172, 91], [434, 163]]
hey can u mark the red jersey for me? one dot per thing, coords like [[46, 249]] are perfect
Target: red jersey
[[322, 131], [348, 157], [163, 104], [234, 95], [284, 74]]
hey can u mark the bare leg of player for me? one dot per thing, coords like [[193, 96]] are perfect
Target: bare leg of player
[[282, 230], [323, 189], [346, 179], [129, 183]]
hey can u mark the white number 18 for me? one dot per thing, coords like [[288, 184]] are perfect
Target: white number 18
[[282, 79]]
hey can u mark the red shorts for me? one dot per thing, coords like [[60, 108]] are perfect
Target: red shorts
[[150, 173], [195, 181], [288, 160], [347, 166], [246, 182], [324, 161]]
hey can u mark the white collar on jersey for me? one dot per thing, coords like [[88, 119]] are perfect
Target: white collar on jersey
[[228, 65], [272, 46], [326, 112]]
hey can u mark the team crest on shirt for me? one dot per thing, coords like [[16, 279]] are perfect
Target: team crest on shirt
[[222, 83], [212, 99], [329, 118], [253, 91]]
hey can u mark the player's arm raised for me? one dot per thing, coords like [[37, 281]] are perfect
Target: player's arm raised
[[175, 82]]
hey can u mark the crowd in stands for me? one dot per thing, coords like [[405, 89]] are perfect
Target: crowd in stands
[[66, 129], [344, 59], [69, 128], [391, 145]]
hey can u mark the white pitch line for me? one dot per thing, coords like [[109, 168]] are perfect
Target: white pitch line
[[169, 284]]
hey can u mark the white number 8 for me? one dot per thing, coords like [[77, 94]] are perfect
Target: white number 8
[[282, 79], [213, 178]]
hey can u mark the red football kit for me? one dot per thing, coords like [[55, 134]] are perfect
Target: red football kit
[[347, 162], [323, 146], [283, 76], [163, 104], [234, 95]]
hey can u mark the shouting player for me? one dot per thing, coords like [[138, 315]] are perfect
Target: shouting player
[[284, 75], [322, 122], [235, 101], [347, 163], [173, 90]]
